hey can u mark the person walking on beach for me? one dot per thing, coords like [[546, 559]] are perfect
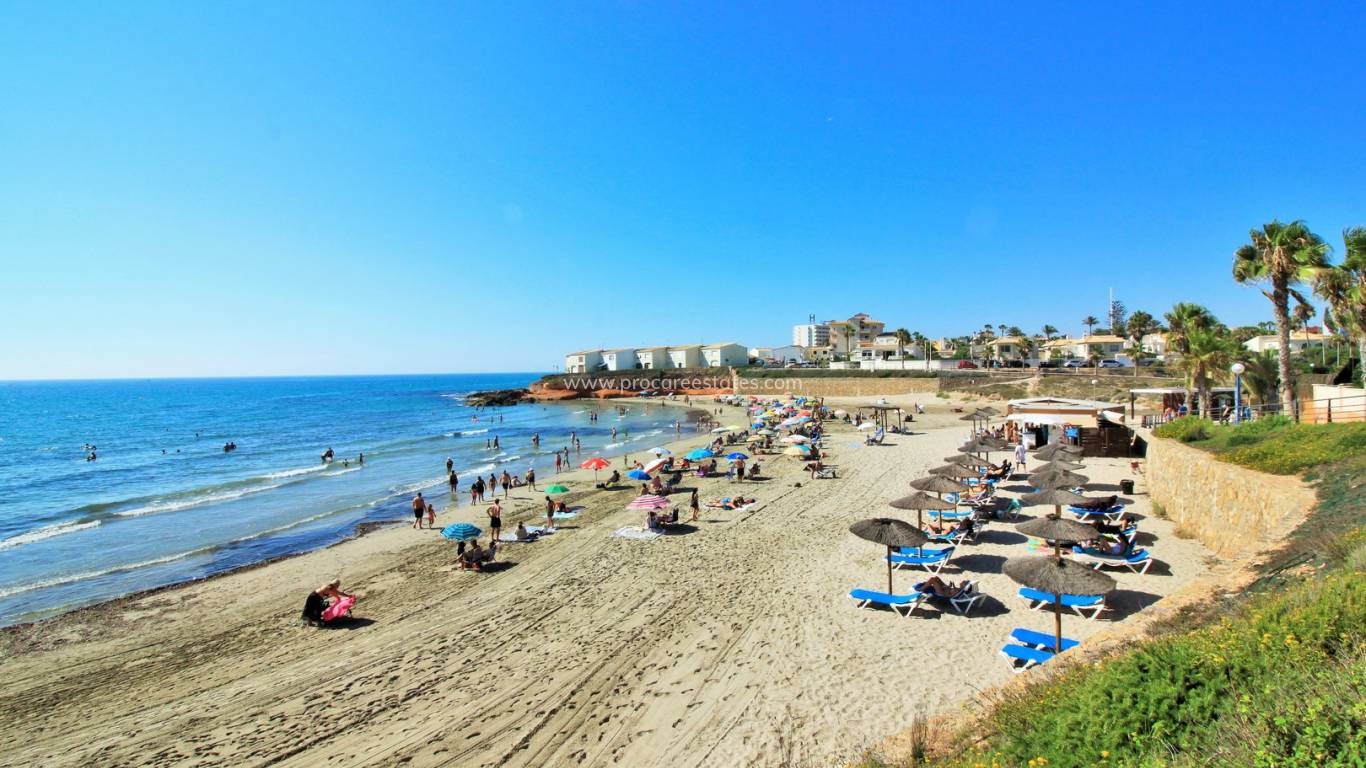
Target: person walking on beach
[[558, 462], [495, 520], [507, 483], [419, 508], [695, 504], [493, 485], [1020, 455], [531, 478], [431, 515]]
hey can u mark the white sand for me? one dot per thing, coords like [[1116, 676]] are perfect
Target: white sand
[[732, 645]]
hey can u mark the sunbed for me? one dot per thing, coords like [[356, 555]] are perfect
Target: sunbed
[[961, 602], [1080, 604], [1023, 657], [1137, 561], [1113, 514], [930, 562], [902, 604], [1041, 640]]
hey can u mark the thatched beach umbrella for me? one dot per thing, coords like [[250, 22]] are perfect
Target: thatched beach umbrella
[[1052, 451], [1057, 479], [921, 502], [988, 410], [890, 533], [938, 484], [1058, 577], [1059, 465], [954, 471], [1055, 496], [964, 460], [1056, 530]]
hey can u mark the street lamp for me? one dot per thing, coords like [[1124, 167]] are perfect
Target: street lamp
[[1238, 369]]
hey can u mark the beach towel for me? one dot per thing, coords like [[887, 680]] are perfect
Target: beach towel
[[339, 608], [635, 532]]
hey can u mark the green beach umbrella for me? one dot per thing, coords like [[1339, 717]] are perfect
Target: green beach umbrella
[[557, 488]]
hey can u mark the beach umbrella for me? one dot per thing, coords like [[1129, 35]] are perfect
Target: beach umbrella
[[1055, 496], [719, 430], [796, 450], [1056, 529], [955, 471], [964, 460], [460, 532], [557, 489], [890, 533], [736, 456], [697, 454], [804, 412], [920, 502], [796, 439], [1057, 479], [596, 463], [638, 474], [1058, 577], [661, 451], [867, 425], [1058, 465], [648, 501], [938, 484], [1052, 450], [840, 413], [767, 431], [735, 428], [754, 439], [656, 464], [988, 411]]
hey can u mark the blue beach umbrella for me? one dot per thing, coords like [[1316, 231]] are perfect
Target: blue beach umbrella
[[460, 531], [736, 456], [697, 454], [637, 474]]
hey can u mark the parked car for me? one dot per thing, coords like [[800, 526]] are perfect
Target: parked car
[[1016, 364], [1048, 364], [1147, 362], [963, 364], [1074, 364], [1107, 363]]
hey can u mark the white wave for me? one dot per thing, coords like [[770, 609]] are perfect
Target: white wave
[[655, 432], [613, 445], [513, 457], [28, 537], [479, 470], [460, 396], [294, 472], [475, 431], [346, 471], [85, 575], [195, 501]]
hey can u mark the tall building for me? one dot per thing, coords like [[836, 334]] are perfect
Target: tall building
[[846, 335], [811, 335]]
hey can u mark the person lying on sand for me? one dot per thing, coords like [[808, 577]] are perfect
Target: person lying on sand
[[730, 503], [320, 599], [939, 588]]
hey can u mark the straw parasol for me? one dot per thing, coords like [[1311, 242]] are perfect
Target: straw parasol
[[938, 484], [1057, 479], [1058, 577], [1055, 529], [890, 533], [1051, 451], [920, 502], [1059, 464], [964, 460], [988, 410], [954, 471], [1055, 496]]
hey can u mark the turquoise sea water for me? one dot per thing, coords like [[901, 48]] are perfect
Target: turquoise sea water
[[163, 503]]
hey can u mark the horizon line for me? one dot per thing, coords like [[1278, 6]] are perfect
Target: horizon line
[[74, 379]]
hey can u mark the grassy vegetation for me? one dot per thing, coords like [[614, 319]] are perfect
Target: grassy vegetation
[[836, 373], [1273, 444]]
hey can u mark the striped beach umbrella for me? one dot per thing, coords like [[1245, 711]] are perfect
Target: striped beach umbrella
[[648, 501]]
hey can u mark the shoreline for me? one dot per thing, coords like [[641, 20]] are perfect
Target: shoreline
[[358, 530]]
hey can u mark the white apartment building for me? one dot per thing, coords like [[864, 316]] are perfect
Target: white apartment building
[[811, 335], [586, 361], [724, 355]]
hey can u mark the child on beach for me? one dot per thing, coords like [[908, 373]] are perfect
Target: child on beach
[[431, 515]]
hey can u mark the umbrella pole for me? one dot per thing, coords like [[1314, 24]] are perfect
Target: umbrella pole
[[889, 571], [1057, 623]]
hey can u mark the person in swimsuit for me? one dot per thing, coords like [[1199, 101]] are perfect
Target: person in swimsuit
[[695, 504], [493, 485], [431, 515], [495, 519], [419, 508], [549, 512], [507, 483], [531, 478], [317, 601]]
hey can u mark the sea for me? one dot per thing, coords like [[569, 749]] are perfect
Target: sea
[[162, 502]]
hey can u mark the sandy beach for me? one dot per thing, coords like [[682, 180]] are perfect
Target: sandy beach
[[733, 643]]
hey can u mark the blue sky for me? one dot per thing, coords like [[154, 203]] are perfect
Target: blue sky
[[238, 189]]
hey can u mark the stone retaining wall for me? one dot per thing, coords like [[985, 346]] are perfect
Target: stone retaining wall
[[828, 386], [1232, 510]]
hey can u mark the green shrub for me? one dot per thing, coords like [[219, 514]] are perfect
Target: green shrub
[[1187, 429]]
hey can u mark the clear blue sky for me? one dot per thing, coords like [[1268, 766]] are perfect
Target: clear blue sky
[[271, 188]]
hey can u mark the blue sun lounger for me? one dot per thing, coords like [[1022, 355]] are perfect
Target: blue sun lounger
[[1041, 640], [1137, 561], [1024, 657], [902, 604], [962, 602], [1078, 603], [930, 562], [1113, 514]]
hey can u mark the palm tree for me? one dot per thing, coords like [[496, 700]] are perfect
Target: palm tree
[[1140, 324], [903, 337], [1207, 351], [1183, 318], [1090, 322], [1027, 346], [1344, 288], [1282, 255], [1049, 332], [1260, 373]]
